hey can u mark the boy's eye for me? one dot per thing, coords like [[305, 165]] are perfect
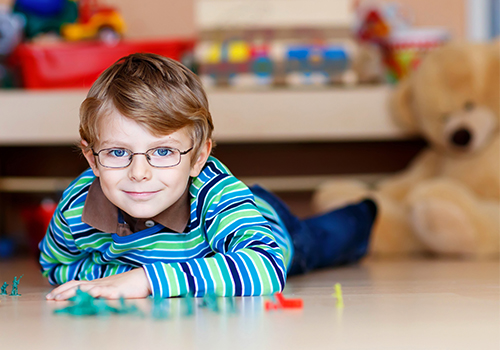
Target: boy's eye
[[162, 152], [117, 152]]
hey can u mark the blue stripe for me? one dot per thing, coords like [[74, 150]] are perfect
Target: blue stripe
[[190, 279], [226, 209], [254, 275], [227, 241], [163, 279], [138, 235], [235, 273], [151, 271], [202, 196], [201, 271]]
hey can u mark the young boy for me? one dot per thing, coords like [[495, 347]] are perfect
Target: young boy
[[156, 214]]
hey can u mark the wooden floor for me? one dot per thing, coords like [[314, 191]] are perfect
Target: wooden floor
[[403, 305]]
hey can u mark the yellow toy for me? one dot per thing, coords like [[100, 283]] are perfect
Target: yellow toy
[[447, 202], [95, 21]]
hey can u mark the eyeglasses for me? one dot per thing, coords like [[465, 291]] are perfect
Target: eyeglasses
[[159, 157]]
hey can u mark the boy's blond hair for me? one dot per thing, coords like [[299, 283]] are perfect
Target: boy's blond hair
[[157, 92]]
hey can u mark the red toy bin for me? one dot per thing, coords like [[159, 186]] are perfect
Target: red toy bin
[[77, 65]]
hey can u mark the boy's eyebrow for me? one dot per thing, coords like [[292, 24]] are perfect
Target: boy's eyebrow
[[167, 143], [108, 144]]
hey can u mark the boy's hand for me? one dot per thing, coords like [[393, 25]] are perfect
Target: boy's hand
[[130, 285]]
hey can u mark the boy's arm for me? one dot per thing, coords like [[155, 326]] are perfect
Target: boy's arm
[[62, 261], [246, 261]]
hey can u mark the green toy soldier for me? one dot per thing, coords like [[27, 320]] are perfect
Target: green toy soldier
[[3, 289], [15, 285]]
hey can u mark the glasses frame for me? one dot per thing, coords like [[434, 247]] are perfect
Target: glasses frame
[[132, 154]]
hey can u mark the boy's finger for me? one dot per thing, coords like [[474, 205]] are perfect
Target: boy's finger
[[61, 289], [66, 294], [93, 291], [106, 292]]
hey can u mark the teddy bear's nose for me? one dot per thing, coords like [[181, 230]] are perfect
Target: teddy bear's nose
[[461, 137]]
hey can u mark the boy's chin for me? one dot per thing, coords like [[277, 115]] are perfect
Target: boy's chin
[[141, 214]]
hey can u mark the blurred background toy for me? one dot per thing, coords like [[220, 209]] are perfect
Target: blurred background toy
[[78, 64], [11, 29], [402, 46], [447, 201], [73, 20], [45, 16], [95, 21], [276, 43]]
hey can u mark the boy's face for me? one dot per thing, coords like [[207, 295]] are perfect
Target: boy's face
[[141, 190]]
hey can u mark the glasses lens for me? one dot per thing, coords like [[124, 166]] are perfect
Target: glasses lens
[[164, 157], [115, 157]]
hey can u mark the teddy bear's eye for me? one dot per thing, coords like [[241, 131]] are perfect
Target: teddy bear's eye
[[469, 105]]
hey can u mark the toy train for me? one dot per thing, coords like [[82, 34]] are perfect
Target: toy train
[[237, 62]]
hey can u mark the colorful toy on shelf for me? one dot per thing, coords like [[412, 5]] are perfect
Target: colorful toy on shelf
[[46, 8], [15, 286], [78, 64], [322, 62], [255, 61], [45, 16], [402, 47], [73, 19], [95, 21]]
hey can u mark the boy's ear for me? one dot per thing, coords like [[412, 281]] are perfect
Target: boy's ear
[[89, 155], [203, 155]]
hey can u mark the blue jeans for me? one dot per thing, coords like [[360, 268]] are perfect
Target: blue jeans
[[338, 237]]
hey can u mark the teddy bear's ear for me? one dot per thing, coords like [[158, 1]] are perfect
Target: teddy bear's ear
[[400, 106]]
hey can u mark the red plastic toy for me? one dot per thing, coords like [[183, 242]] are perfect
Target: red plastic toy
[[78, 64], [283, 303]]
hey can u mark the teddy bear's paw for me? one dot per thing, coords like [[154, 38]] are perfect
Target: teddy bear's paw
[[339, 193], [393, 235], [443, 226]]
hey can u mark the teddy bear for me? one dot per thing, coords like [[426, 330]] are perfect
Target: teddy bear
[[447, 201]]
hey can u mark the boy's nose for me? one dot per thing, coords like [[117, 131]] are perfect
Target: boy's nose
[[140, 169]]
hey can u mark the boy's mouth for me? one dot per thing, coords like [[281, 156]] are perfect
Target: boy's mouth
[[141, 195]]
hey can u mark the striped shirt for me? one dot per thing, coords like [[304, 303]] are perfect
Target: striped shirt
[[234, 244]]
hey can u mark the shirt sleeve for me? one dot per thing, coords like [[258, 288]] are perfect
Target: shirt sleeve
[[246, 259], [62, 261]]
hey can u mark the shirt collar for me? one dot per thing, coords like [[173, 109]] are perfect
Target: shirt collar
[[101, 214]]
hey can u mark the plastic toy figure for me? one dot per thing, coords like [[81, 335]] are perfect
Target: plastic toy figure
[[159, 310], [189, 304], [84, 304], [3, 290], [210, 301], [15, 284]]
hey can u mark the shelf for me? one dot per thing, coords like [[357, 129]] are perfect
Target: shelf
[[30, 117]]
